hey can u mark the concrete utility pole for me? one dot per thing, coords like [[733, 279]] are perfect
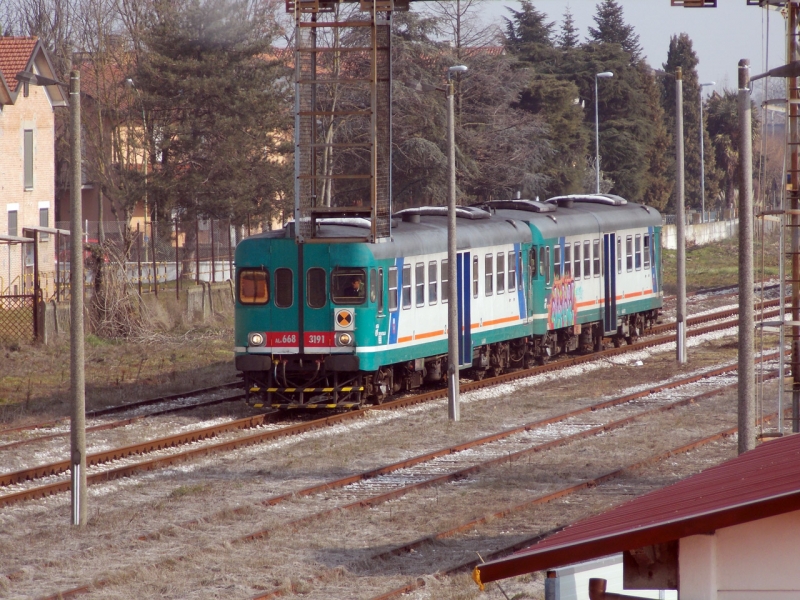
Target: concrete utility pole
[[680, 217], [76, 362], [747, 439], [453, 407]]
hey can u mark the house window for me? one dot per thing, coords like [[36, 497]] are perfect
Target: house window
[[44, 221], [12, 223], [28, 157]]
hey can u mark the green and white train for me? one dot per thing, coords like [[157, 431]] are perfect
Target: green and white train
[[343, 324]]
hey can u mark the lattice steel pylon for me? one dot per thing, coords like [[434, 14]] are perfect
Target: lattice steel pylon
[[343, 110]]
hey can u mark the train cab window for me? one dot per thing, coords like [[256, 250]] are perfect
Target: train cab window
[[380, 292], [392, 289], [546, 266], [315, 288], [253, 286], [373, 286], [596, 258], [637, 249], [647, 251], [501, 272], [557, 261], [587, 259], [445, 282], [433, 281], [629, 253], [284, 288], [406, 286], [512, 271], [348, 286], [567, 260], [488, 277], [475, 276], [419, 281], [619, 255], [576, 266]]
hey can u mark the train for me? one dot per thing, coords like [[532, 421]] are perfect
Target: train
[[342, 325]]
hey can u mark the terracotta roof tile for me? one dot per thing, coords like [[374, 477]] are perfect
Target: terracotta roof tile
[[15, 52], [761, 483]]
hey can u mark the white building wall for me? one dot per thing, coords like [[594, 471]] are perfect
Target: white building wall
[[756, 560]]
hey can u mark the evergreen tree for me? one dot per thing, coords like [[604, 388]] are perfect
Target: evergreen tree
[[659, 181], [612, 29], [528, 35], [220, 110], [568, 38], [681, 54]]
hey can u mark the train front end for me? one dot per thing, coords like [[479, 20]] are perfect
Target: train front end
[[301, 313]]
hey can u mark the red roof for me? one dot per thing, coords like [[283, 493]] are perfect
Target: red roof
[[15, 52], [761, 483]]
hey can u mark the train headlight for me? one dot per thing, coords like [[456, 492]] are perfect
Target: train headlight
[[256, 339], [344, 339]]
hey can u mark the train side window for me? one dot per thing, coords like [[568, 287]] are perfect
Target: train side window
[[315, 288], [629, 254], [392, 289], [433, 281], [619, 255], [253, 286], [596, 257], [419, 283], [576, 266], [567, 260], [380, 291], [488, 278], [501, 272], [587, 259], [647, 251], [546, 265], [284, 288], [406, 286], [348, 286], [532, 262], [475, 276], [445, 282], [637, 247], [512, 271], [373, 286], [542, 271], [557, 261], [520, 270]]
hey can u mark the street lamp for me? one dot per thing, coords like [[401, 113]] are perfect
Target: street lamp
[[702, 155], [603, 75], [131, 84], [453, 410], [76, 363]]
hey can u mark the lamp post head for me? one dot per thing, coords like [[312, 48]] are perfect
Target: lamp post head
[[709, 83], [129, 82], [605, 74], [456, 69]]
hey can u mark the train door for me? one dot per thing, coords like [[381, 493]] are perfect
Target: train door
[[464, 290], [609, 283]]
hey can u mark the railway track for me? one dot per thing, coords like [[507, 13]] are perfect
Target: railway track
[[169, 450], [456, 463]]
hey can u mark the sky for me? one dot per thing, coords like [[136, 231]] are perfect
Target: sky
[[721, 35]]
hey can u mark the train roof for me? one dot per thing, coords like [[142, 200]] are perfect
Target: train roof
[[492, 223]]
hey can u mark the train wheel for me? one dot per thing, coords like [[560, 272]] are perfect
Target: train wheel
[[617, 341]]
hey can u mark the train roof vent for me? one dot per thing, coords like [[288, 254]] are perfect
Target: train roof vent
[[517, 204], [346, 221], [462, 212], [608, 199]]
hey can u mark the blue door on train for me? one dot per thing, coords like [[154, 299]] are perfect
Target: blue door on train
[[464, 287], [609, 283]]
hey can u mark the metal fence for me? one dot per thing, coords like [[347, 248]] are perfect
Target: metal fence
[[16, 317], [156, 253]]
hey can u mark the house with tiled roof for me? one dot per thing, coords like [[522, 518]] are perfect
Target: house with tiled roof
[[27, 157], [727, 533]]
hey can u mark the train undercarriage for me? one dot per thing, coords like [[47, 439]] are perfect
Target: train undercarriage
[[334, 382]]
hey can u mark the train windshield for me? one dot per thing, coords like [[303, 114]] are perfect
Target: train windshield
[[348, 286], [253, 286]]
